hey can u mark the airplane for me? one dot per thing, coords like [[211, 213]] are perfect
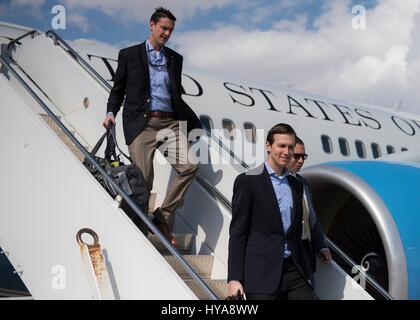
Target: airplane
[[363, 168]]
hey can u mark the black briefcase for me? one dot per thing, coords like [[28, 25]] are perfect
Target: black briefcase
[[128, 177]]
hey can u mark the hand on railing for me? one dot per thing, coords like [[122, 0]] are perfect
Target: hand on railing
[[325, 255], [109, 118]]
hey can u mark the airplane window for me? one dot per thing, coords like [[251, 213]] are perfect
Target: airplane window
[[344, 146], [404, 149], [229, 127], [376, 150], [360, 148], [206, 122], [250, 132], [390, 149], [326, 143]]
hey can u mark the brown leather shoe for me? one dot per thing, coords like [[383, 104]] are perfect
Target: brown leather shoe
[[163, 226]]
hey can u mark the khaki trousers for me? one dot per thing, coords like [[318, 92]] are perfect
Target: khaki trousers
[[164, 134]]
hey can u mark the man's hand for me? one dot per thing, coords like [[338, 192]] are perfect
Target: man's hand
[[233, 287], [325, 255], [109, 118]]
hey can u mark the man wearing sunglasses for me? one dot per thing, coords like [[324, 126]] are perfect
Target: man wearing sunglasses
[[148, 76], [312, 236], [265, 244]]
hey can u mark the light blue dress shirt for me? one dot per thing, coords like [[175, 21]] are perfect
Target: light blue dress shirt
[[160, 96], [160, 90], [284, 199]]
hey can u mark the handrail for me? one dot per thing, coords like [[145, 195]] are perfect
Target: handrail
[[213, 191], [350, 262], [31, 33], [57, 39], [232, 154], [104, 174], [200, 179]]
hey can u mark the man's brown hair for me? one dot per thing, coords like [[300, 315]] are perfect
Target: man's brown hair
[[280, 128], [160, 13]]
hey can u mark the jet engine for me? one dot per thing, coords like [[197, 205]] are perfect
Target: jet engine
[[371, 211]]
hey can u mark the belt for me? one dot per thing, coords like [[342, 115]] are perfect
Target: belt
[[159, 114]]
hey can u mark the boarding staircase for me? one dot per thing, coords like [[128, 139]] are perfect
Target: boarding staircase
[[71, 103], [202, 264], [58, 116]]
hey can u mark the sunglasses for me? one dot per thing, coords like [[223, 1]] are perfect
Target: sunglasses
[[158, 65], [297, 156]]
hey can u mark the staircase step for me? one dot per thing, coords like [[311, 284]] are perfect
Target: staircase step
[[184, 243], [62, 136], [219, 287], [202, 264]]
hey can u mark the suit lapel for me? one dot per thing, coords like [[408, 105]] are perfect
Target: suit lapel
[[143, 56], [268, 186], [292, 184], [171, 66]]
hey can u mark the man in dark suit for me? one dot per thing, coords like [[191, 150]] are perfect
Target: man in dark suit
[[154, 115], [312, 237], [265, 258]]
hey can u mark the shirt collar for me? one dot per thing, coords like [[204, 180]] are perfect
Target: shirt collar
[[271, 172], [150, 48]]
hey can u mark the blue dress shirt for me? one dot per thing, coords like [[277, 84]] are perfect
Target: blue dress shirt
[[160, 90], [284, 199]]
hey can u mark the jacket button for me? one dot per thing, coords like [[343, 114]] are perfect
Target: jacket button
[[148, 100]]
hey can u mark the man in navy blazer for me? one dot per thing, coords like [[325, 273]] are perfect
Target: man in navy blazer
[[313, 237], [148, 76], [265, 246]]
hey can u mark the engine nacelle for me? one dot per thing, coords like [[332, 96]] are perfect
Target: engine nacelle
[[371, 210]]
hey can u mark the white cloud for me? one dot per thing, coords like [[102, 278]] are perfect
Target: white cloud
[[251, 13], [79, 21], [31, 7], [379, 65], [26, 3], [297, 25], [97, 46], [129, 11]]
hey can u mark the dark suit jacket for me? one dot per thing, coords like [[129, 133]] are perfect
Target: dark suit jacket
[[257, 238], [132, 81], [317, 242]]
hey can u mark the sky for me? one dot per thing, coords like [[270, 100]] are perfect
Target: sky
[[366, 51]]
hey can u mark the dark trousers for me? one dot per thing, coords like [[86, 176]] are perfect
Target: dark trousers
[[292, 286]]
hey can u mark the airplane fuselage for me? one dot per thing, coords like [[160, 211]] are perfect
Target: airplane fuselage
[[332, 129]]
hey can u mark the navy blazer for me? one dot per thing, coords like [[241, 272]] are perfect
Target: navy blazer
[[257, 238], [132, 81], [317, 242]]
